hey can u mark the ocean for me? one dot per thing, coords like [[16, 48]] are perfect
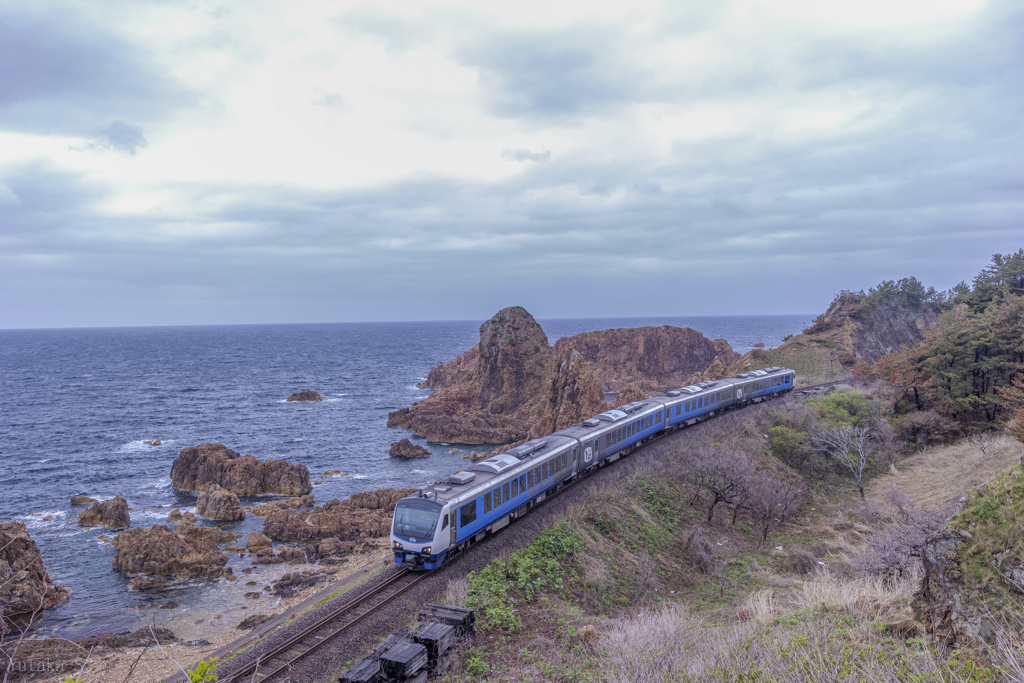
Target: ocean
[[77, 405]]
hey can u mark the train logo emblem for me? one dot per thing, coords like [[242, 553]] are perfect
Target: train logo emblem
[[588, 454], [739, 393]]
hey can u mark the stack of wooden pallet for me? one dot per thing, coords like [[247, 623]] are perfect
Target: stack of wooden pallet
[[405, 657]]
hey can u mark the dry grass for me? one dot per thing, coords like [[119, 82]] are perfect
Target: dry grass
[[937, 477]]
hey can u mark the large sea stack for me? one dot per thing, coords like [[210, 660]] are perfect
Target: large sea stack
[[208, 465], [654, 359], [502, 397], [361, 516]]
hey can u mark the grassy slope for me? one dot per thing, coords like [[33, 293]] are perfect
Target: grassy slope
[[621, 564]]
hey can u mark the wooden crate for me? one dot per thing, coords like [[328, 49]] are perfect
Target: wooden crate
[[421, 677], [363, 671], [404, 661], [462, 619], [437, 638]]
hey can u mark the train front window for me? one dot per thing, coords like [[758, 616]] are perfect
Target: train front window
[[416, 519]]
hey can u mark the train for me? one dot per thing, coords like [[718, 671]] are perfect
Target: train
[[444, 518]]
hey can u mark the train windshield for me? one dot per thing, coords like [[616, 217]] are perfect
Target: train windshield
[[416, 518]]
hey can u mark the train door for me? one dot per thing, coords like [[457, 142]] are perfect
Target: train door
[[575, 461], [454, 535]]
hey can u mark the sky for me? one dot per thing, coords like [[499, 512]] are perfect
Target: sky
[[173, 163]]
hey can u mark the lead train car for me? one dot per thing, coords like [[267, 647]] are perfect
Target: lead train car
[[464, 507]]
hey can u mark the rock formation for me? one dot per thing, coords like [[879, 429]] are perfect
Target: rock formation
[[257, 540], [574, 394], [82, 500], [284, 504], [190, 529], [220, 504], [363, 515], [202, 467], [158, 551], [306, 395], [633, 392], [407, 449], [25, 584], [501, 398], [653, 358], [112, 513], [447, 374], [25, 658], [140, 638]]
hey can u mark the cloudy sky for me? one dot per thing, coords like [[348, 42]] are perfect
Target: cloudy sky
[[302, 161]]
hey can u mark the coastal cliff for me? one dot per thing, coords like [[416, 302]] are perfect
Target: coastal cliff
[[25, 584], [654, 359]]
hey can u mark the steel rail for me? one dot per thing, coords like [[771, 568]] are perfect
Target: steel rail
[[296, 647]]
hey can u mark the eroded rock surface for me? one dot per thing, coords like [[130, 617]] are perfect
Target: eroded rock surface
[[25, 585], [364, 515], [407, 449], [158, 551], [653, 358], [500, 398], [203, 467], [574, 395], [447, 374], [111, 513], [220, 505]]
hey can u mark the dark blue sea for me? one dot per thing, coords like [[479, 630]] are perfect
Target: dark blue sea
[[77, 405]]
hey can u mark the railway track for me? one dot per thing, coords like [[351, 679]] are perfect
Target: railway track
[[283, 656]]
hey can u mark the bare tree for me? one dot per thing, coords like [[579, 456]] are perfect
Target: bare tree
[[721, 470], [851, 447], [769, 500]]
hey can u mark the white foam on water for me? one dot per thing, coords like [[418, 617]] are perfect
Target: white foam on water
[[360, 476], [417, 471], [340, 394]]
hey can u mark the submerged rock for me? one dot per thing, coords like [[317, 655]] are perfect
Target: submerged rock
[[140, 638], [306, 395], [257, 540], [111, 513], [23, 659], [24, 582], [83, 500], [203, 467], [407, 449], [220, 504]]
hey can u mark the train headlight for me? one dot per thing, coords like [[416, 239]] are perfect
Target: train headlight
[[398, 546], [426, 551]]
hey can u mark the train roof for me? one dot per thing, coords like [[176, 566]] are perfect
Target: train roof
[[464, 483]]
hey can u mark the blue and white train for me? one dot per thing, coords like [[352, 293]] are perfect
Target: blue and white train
[[444, 518]]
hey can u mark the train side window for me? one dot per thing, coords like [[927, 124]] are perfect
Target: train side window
[[659, 417], [533, 479], [547, 471], [522, 484], [497, 497], [467, 514], [515, 488], [444, 523], [504, 493], [487, 502], [677, 409]]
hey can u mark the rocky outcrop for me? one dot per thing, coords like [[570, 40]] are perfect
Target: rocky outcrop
[[213, 534], [363, 515], [203, 467], [868, 333], [30, 659], [83, 500], [284, 504], [447, 374], [140, 638], [220, 505], [306, 395], [407, 449], [111, 513], [653, 358], [632, 392], [158, 551], [503, 396], [257, 540], [25, 585], [574, 395]]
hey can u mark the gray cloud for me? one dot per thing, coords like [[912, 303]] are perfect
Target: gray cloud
[[522, 154], [61, 72]]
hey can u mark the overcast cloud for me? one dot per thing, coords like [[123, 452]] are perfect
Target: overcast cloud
[[326, 161]]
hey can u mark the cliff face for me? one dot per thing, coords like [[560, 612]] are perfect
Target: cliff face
[[25, 584], [574, 395], [447, 374], [503, 395], [652, 358]]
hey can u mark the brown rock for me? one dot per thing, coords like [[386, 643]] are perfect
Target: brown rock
[[200, 468], [174, 516], [257, 540], [504, 394], [447, 374], [306, 395], [653, 358], [265, 509], [30, 654], [140, 638], [234, 549], [158, 551], [143, 583], [188, 516], [111, 513], [25, 583], [220, 504], [254, 620], [83, 500], [573, 396], [483, 455], [631, 393], [407, 449], [365, 514], [207, 533], [332, 473], [296, 502]]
